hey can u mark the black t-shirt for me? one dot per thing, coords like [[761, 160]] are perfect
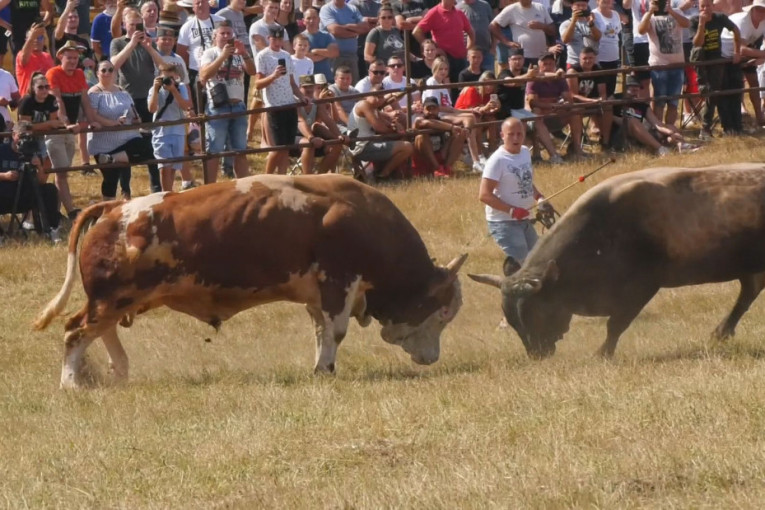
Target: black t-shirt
[[39, 112], [420, 70], [23, 15], [588, 87], [712, 31], [635, 109], [511, 98], [467, 75], [81, 41]]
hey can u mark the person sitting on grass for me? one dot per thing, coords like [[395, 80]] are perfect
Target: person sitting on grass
[[630, 122], [438, 150]]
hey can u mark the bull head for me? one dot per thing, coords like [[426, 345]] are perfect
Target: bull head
[[522, 307]]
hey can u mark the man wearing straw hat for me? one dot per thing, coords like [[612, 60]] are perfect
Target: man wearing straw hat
[[68, 86]]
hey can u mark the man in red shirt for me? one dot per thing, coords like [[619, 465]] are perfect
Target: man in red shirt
[[32, 57], [68, 86], [446, 25]]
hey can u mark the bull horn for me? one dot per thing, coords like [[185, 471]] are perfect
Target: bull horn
[[488, 279], [454, 266]]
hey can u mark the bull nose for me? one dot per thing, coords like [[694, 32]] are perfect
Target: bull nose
[[421, 359]]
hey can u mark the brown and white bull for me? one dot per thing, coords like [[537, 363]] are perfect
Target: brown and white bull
[[338, 246], [631, 235]]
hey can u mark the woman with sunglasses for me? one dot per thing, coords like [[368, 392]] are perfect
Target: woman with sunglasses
[[385, 39], [113, 106], [40, 109]]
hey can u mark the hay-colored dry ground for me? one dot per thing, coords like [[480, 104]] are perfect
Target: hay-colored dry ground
[[675, 421]]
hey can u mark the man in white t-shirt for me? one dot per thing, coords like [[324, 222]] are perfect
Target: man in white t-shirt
[[300, 60], [530, 23], [397, 81], [195, 36], [9, 95], [507, 189], [375, 76], [275, 76], [751, 27]]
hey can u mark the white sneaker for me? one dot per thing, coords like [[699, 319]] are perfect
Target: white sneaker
[[28, 225], [556, 159], [663, 151], [188, 185], [55, 236], [477, 168], [482, 160], [686, 148], [705, 135]]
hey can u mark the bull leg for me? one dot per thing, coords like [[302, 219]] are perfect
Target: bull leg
[[330, 330], [77, 338], [619, 322], [751, 286], [118, 360]]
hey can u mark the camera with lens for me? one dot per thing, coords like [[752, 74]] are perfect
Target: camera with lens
[[168, 81], [28, 144]]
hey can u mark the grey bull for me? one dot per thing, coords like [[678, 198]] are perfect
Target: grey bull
[[631, 235]]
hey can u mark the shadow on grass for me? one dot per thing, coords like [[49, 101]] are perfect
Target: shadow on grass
[[722, 351]]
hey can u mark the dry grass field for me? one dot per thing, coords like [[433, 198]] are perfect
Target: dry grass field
[[674, 421]]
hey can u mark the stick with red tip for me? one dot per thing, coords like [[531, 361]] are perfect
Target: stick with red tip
[[581, 178]]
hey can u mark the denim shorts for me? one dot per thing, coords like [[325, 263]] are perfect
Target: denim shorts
[[169, 146], [667, 82], [502, 50], [233, 129], [516, 238]]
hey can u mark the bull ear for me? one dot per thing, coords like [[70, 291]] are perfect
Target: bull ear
[[488, 279], [551, 272], [454, 266], [510, 266]]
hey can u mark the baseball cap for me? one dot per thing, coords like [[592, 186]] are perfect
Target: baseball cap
[[276, 31]]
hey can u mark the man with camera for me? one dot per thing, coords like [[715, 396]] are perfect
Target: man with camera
[[19, 167], [168, 99], [581, 30], [222, 68], [276, 78]]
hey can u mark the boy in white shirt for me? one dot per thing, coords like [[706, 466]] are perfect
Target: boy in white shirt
[[301, 63]]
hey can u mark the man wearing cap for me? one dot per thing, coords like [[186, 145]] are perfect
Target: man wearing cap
[[135, 57], [542, 95], [323, 45], [345, 23], [226, 62], [165, 44], [512, 98], [260, 30], [68, 86], [196, 36], [275, 76], [316, 125], [751, 27], [440, 150]]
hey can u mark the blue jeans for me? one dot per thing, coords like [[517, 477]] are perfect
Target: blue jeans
[[219, 130], [667, 82], [516, 238], [502, 50], [488, 62]]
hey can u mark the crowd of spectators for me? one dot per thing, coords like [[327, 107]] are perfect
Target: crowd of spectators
[[165, 59]]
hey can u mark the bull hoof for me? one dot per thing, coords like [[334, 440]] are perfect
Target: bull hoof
[[605, 353], [720, 334], [324, 370]]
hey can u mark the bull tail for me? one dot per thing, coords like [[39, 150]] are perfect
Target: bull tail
[[57, 304]]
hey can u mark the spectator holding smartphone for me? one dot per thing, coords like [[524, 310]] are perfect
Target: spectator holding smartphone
[[275, 76]]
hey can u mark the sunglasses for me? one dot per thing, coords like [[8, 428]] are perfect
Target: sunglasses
[[396, 65], [106, 70], [42, 87], [378, 73]]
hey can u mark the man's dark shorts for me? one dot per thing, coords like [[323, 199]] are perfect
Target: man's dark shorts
[[282, 127]]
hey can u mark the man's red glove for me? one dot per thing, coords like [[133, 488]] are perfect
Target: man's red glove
[[519, 213]]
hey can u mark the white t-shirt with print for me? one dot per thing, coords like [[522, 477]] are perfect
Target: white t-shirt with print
[[235, 79], [515, 179], [280, 91], [303, 67], [190, 37], [389, 84], [533, 41], [609, 50], [441, 95], [7, 88]]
